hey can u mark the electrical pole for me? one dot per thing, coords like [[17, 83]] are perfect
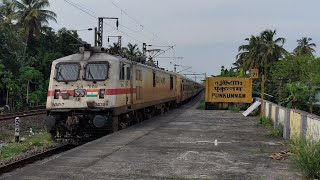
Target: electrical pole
[[100, 29], [175, 67], [119, 42], [95, 37]]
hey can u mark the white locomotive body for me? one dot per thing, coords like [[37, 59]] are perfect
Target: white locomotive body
[[96, 92]]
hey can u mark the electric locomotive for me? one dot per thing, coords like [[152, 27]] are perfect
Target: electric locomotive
[[94, 92]]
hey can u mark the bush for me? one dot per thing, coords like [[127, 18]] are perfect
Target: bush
[[202, 105], [278, 132], [306, 157], [265, 122], [235, 109]]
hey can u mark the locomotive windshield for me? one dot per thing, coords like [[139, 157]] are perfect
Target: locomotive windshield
[[96, 71], [68, 72]]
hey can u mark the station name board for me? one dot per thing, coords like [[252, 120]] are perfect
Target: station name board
[[227, 89]]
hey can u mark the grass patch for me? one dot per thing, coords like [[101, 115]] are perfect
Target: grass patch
[[266, 122], [306, 157], [5, 134], [235, 109], [202, 105], [36, 142], [278, 132]]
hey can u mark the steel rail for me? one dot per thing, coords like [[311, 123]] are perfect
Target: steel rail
[[4, 117], [22, 162]]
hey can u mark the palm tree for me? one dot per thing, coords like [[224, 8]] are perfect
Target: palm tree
[[115, 48], [260, 50], [6, 9], [304, 46], [272, 49], [249, 54], [32, 16], [132, 50]]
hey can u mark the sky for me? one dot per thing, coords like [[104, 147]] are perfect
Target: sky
[[207, 33]]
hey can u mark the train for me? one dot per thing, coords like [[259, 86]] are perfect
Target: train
[[94, 92]]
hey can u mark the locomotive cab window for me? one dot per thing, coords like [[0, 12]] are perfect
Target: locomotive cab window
[[67, 72], [96, 71]]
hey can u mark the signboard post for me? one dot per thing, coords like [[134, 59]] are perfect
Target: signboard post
[[17, 129], [262, 95]]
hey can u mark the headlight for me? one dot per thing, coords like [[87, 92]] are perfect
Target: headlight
[[79, 92], [56, 93], [101, 93]]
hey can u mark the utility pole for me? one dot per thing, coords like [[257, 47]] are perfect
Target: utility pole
[[100, 29]]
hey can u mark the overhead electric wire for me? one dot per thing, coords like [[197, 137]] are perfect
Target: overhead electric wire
[[85, 11], [134, 19]]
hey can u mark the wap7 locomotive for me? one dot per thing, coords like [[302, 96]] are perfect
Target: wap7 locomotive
[[94, 92]]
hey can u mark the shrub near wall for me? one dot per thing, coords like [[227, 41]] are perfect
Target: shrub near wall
[[303, 129]]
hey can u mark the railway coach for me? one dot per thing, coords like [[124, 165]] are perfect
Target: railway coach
[[94, 92]]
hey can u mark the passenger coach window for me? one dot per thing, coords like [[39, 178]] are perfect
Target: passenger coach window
[[68, 72], [154, 79], [138, 75], [121, 77], [96, 71], [128, 73], [171, 82]]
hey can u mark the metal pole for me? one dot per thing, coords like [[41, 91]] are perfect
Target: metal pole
[[262, 97], [95, 37], [100, 31], [27, 93]]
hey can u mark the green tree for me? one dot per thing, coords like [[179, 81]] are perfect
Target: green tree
[[299, 96], [115, 48], [132, 51], [304, 46], [271, 49], [249, 55], [68, 41], [30, 75], [11, 49], [260, 51], [32, 16], [6, 9]]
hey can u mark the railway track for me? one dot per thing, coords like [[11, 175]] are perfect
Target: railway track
[[22, 162], [4, 117]]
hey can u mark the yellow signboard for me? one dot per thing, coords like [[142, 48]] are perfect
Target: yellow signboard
[[254, 73], [229, 89]]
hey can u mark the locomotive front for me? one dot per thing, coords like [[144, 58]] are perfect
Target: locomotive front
[[77, 104]]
